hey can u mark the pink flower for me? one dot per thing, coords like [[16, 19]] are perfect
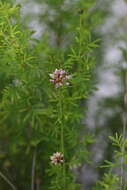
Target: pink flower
[[57, 158], [59, 77]]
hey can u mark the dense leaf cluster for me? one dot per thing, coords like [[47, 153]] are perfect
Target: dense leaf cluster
[[37, 119]]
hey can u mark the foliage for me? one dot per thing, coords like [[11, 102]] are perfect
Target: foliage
[[37, 119], [114, 178]]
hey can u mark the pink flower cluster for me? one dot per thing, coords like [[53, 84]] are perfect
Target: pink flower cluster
[[57, 158], [59, 78]]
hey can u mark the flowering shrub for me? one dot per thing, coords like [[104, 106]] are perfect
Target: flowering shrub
[[37, 120]]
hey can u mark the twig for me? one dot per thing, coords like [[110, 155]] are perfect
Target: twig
[[62, 138], [38, 185], [123, 152], [123, 185], [33, 169], [8, 181]]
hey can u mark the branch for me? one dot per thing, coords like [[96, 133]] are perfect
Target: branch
[[33, 169], [8, 181], [122, 170]]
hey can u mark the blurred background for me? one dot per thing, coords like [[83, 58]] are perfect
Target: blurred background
[[57, 19]]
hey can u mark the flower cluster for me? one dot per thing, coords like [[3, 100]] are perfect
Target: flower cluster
[[57, 158], [59, 78]]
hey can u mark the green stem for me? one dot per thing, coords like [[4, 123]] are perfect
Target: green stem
[[62, 128], [7, 181], [62, 139], [33, 169], [122, 180]]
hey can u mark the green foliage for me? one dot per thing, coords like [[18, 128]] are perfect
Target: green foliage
[[109, 181], [37, 119]]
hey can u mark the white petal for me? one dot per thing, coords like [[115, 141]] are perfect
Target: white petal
[[51, 75], [68, 76]]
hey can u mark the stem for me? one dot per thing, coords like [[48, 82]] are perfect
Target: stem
[[122, 172], [33, 169], [8, 181], [62, 128], [62, 139], [80, 36], [38, 185]]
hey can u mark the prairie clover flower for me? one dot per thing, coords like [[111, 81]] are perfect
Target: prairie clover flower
[[59, 78], [57, 158]]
